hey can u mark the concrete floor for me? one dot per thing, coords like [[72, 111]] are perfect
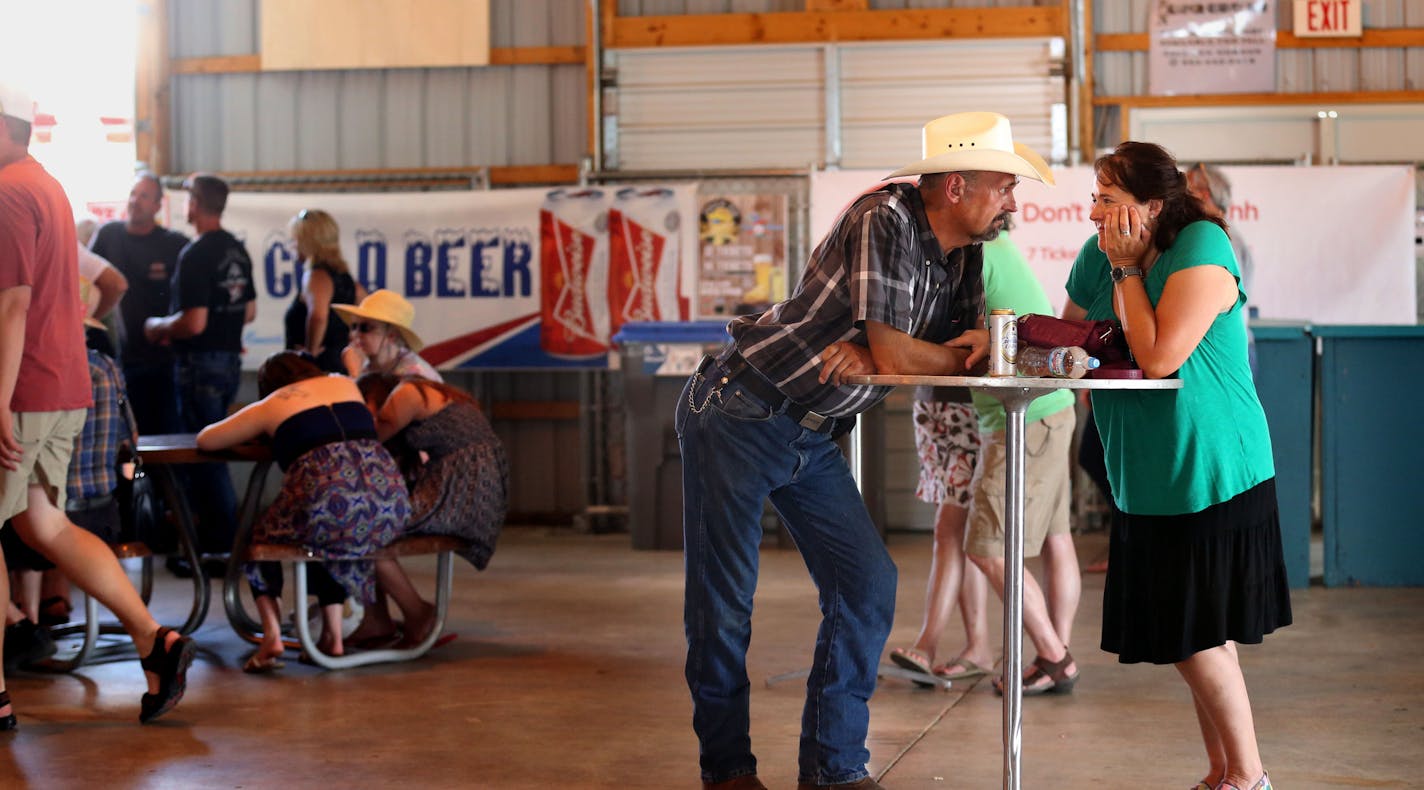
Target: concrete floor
[[567, 673]]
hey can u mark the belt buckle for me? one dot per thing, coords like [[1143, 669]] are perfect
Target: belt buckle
[[813, 421]]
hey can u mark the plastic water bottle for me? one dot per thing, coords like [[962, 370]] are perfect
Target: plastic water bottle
[[1063, 362]]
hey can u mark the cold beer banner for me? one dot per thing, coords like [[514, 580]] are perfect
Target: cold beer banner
[[521, 278], [1330, 245]]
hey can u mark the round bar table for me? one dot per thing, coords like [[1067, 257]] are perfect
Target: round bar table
[[1015, 392]]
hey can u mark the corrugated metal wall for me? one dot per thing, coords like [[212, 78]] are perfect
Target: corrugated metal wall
[[796, 106], [406, 118]]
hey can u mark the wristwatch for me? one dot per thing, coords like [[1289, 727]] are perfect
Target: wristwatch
[[1120, 273]]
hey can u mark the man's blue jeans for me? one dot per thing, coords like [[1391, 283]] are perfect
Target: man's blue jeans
[[735, 453], [207, 384]]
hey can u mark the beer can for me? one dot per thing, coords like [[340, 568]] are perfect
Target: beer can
[[1003, 342]]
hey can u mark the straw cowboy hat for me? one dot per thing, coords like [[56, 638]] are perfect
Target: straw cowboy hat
[[975, 141], [387, 307]]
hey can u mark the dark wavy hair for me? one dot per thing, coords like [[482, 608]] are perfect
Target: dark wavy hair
[[377, 387], [1148, 172], [286, 367]]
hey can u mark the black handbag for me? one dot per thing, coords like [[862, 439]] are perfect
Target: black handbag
[[142, 513]]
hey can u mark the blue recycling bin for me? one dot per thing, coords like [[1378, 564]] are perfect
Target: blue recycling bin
[[656, 358], [1285, 378], [1372, 453]]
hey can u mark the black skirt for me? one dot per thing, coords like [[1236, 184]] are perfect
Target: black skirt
[[1177, 585]]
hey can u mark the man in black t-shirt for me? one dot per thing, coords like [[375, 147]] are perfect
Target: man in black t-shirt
[[146, 254], [213, 297]]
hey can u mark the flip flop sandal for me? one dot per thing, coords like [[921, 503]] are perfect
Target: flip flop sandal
[[971, 670], [911, 660], [256, 666]]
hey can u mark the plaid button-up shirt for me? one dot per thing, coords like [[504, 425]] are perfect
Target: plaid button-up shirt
[[92, 469], [881, 262]]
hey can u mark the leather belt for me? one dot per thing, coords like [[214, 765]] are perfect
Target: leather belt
[[739, 371]]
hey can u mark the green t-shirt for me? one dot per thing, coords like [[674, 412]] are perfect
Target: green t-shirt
[[1010, 283], [1180, 451]]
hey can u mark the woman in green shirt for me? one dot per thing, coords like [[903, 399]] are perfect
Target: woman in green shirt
[[1195, 563]]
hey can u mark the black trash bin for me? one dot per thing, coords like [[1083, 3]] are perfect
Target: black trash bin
[[656, 359]]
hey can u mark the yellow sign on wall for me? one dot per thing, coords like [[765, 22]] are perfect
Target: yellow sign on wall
[[374, 34]]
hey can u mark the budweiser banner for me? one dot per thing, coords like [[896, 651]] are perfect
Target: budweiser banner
[[1329, 245], [520, 278]]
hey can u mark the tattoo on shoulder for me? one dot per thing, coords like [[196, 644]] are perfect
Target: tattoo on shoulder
[[287, 393]]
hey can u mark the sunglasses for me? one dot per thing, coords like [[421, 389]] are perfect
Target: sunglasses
[[366, 327]]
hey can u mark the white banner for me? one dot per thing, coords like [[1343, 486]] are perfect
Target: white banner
[[486, 291], [1330, 245], [1221, 46]]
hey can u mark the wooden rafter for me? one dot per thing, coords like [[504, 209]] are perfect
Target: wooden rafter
[[798, 27], [499, 56], [1373, 38]]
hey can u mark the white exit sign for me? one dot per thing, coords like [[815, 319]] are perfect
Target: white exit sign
[[1317, 18]]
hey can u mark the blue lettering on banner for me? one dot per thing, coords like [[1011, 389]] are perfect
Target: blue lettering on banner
[[279, 276], [371, 259], [418, 256], [448, 248], [518, 256]]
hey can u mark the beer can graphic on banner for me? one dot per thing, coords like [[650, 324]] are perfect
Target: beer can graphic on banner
[[1003, 342], [573, 278], [644, 261]]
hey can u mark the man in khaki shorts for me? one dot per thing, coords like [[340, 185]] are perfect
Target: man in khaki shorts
[[45, 391], [1048, 434]]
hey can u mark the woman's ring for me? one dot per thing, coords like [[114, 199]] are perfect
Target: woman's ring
[[1126, 232]]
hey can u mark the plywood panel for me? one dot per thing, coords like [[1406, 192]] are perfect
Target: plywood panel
[[374, 33]]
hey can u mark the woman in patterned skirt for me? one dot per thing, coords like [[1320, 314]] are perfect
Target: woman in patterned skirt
[[342, 494], [458, 476]]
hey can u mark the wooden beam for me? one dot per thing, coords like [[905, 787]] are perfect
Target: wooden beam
[[536, 56], [1271, 99], [837, 5], [535, 410], [1087, 124], [152, 121], [1373, 38], [499, 56], [223, 64], [799, 27], [499, 175]]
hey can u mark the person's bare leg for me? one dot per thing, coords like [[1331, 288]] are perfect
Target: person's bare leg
[[269, 609], [376, 622], [29, 593], [946, 569], [91, 565], [419, 614], [1036, 622], [1218, 686], [1215, 751], [1063, 583], [330, 642], [5, 710], [974, 611]]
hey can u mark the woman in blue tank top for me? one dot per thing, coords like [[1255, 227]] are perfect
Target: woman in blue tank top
[[342, 494]]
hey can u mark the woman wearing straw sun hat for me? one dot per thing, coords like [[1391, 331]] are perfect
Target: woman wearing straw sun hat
[[382, 340]]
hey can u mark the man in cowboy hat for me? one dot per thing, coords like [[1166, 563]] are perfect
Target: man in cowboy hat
[[213, 298], [897, 276]]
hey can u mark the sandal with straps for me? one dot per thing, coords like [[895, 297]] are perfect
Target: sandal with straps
[[170, 664], [1264, 783], [8, 722], [1056, 671]]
